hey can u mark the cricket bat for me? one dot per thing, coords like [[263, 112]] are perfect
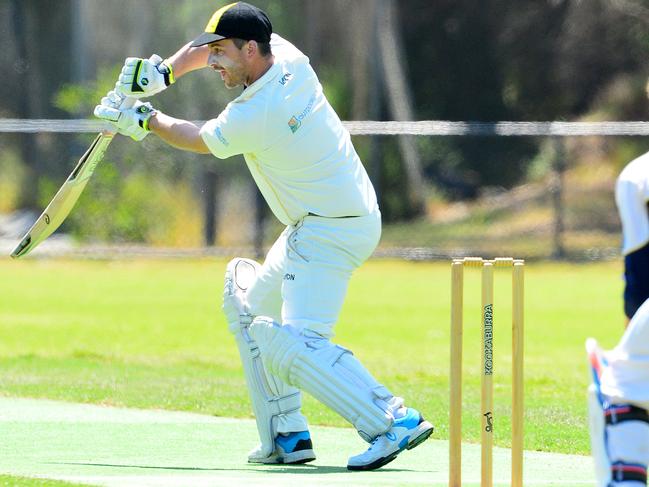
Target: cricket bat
[[66, 197]]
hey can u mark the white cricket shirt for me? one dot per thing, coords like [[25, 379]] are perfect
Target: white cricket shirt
[[631, 196], [627, 375], [294, 144]]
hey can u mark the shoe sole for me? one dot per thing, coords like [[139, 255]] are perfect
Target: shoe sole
[[283, 461], [290, 459], [423, 432], [298, 457], [426, 430]]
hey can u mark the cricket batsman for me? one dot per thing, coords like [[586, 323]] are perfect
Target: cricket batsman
[[282, 312], [619, 406]]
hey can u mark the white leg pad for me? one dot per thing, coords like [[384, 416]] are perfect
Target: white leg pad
[[276, 404], [328, 372], [598, 438], [627, 442]]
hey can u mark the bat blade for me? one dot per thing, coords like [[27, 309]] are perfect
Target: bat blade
[[66, 197]]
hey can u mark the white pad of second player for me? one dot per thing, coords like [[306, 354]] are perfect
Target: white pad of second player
[[328, 372], [276, 405], [597, 438], [619, 432], [619, 442]]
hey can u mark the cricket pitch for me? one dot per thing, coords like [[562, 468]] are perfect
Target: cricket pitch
[[128, 447]]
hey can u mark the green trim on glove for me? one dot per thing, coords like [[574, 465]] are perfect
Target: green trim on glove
[[145, 112], [168, 71], [136, 87]]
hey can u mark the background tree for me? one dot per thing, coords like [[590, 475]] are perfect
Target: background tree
[[462, 60]]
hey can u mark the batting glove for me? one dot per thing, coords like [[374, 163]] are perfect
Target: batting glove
[[141, 78], [133, 121]]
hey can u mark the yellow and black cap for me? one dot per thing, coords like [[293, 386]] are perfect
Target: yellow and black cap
[[240, 20]]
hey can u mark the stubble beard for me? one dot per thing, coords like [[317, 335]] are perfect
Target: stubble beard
[[233, 75], [229, 84]]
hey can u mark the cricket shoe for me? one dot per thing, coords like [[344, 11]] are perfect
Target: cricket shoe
[[406, 433], [290, 448]]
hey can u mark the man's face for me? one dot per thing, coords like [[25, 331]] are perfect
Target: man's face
[[226, 58]]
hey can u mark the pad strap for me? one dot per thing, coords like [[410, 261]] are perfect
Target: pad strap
[[620, 413], [628, 472]]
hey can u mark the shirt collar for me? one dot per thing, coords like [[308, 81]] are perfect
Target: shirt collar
[[269, 75]]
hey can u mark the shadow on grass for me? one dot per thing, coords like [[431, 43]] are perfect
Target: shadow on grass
[[294, 469], [144, 467]]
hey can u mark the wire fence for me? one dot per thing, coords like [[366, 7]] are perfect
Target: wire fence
[[564, 211], [425, 127]]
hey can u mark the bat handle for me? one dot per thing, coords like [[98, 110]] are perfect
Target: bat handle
[[127, 103]]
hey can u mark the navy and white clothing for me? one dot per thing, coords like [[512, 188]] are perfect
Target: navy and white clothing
[[632, 196]]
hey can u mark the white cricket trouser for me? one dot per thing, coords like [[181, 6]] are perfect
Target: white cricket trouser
[[311, 264], [626, 379]]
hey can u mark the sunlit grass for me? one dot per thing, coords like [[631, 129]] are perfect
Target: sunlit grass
[[150, 334]]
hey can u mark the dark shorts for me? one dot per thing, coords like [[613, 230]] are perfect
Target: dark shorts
[[636, 276]]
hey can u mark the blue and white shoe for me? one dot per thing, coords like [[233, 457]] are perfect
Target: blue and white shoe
[[290, 448], [406, 433]]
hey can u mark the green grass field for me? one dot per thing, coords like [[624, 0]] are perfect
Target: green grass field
[[150, 334], [12, 481]]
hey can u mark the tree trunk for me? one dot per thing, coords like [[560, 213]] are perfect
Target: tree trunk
[[400, 98], [28, 151], [80, 40]]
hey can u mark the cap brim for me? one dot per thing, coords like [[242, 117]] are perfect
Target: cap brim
[[206, 38]]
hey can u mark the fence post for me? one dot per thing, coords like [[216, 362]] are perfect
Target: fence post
[[210, 180], [260, 217], [556, 192]]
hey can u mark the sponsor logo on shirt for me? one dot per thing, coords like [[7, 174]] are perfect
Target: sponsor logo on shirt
[[294, 124], [220, 136], [285, 79], [296, 120]]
